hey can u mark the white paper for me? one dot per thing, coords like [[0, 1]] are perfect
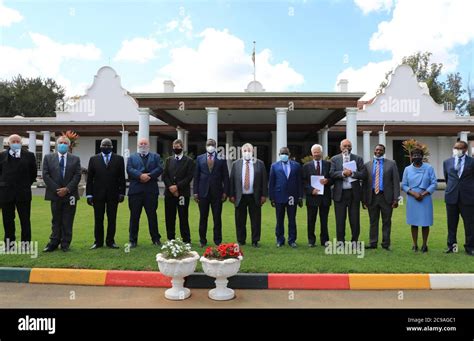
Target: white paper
[[316, 183], [352, 165]]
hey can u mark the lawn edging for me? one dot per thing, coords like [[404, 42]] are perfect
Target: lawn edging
[[281, 281]]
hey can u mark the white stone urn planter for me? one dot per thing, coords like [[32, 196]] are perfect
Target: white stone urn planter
[[221, 270], [177, 269]]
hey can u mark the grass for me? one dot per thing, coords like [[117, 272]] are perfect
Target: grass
[[267, 258]]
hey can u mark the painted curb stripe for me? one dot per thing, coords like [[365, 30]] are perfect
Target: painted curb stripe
[[309, 281], [137, 279], [18, 275], [68, 276], [452, 281], [389, 281], [240, 281]]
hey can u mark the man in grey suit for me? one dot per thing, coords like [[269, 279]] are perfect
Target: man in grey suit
[[61, 174], [380, 195], [248, 191], [347, 192]]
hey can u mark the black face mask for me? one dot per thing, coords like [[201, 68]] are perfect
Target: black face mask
[[417, 160], [177, 151], [106, 150]]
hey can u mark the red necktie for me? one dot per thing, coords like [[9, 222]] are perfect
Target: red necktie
[[318, 168]]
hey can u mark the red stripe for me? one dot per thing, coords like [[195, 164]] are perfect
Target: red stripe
[[309, 281], [137, 279]]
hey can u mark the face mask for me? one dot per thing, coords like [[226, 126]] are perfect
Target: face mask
[[62, 148], [177, 151], [379, 157], [247, 155], [143, 149], [417, 160], [284, 157], [457, 153], [15, 147], [106, 150], [347, 151], [210, 149]]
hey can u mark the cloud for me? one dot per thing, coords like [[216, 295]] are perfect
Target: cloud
[[368, 6], [221, 63], [438, 27], [138, 50], [8, 16]]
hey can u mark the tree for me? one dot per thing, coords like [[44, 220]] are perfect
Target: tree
[[29, 97], [453, 92]]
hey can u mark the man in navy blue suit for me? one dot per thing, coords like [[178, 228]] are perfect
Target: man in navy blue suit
[[285, 189], [211, 186], [459, 196], [143, 170]]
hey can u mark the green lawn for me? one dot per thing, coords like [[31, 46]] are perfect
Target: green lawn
[[267, 258]]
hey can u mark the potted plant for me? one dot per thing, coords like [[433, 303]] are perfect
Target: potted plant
[[177, 261], [73, 137], [221, 262]]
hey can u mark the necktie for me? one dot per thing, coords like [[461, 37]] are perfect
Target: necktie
[[61, 166], [285, 167], [210, 162], [318, 168], [107, 156], [247, 176], [458, 166], [177, 158], [377, 177]]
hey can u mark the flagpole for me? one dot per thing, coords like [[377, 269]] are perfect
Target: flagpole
[[254, 67]]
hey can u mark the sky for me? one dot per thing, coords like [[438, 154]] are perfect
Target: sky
[[207, 45]]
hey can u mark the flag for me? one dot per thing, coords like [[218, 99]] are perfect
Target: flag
[[253, 54]]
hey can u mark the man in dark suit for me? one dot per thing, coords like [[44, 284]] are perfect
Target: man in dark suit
[[248, 192], [459, 196], [17, 174], [177, 176], [61, 174], [347, 192], [380, 195], [143, 170], [285, 189], [104, 190], [211, 186], [314, 200]]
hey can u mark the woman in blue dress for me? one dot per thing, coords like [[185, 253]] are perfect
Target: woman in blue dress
[[419, 182]]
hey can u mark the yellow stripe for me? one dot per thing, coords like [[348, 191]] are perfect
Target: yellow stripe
[[68, 276], [389, 281]]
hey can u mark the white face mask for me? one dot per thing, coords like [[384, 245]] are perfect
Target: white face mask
[[247, 155], [379, 157], [210, 149], [457, 153], [143, 149]]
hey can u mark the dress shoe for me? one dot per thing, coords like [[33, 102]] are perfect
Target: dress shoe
[[49, 248], [371, 246], [279, 244], [65, 249], [133, 245], [157, 243], [255, 244], [95, 246], [414, 248], [311, 245], [424, 249], [202, 244], [470, 253], [242, 244], [293, 245], [387, 248], [449, 250], [113, 246]]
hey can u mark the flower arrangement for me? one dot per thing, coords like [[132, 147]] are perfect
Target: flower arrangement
[[223, 251], [176, 249], [411, 144], [72, 136]]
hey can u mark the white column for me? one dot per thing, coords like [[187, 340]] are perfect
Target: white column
[[274, 152], [229, 142], [367, 146], [351, 127], [32, 141], [185, 142], [382, 139], [281, 132], [324, 141], [143, 123], [125, 152], [212, 123], [2, 139], [463, 135], [180, 133], [46, 142]]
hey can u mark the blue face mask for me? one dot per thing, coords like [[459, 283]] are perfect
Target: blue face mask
[[284, 157], [15, 147], [63, 148]]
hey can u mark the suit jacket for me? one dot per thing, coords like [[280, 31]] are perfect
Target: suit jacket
[[136, 166], [260, 182], [336, 175], [106, 182], [16, 178], [53, 180], [281, 188], [178, 173], [391, 182], [308, 170], [459, 187], [215, 181]]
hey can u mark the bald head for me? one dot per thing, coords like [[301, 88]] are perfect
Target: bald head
[[346, 146], [15, 138]]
